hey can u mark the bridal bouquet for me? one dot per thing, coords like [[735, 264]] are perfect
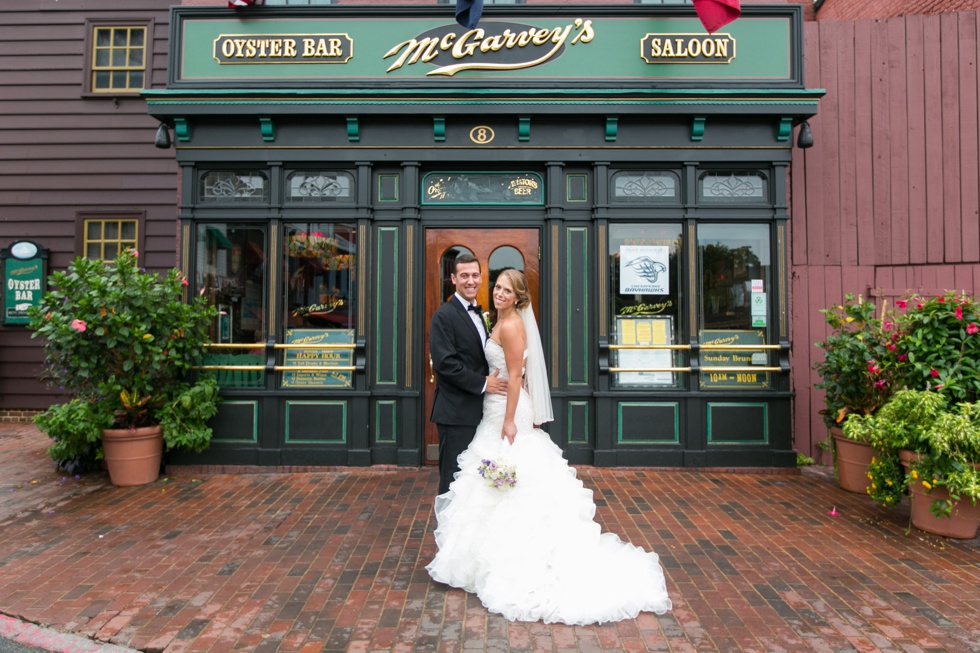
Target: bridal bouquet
[[498, 473]]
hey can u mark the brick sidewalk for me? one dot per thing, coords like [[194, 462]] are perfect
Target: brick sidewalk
[[334, 561]]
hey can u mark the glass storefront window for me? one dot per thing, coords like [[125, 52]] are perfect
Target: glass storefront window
[[231, 273], [734, 309], [646, 304], [320, 262]]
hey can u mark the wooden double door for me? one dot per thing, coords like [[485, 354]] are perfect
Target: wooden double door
[[496, 249]]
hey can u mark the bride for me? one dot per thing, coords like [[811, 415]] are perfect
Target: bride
[[528, 547]]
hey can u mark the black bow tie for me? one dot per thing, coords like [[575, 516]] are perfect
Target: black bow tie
[[475, 307]]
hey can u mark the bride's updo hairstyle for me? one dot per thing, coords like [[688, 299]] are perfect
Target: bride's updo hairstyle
[[519, 283]]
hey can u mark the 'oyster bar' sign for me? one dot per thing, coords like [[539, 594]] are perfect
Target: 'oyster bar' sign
[[222, 51]]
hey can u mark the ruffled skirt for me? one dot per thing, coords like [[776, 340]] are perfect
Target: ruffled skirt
[[534, 552]]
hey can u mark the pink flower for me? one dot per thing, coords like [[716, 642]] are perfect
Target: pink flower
[[184, 281], [874, 369], [78, 325], [942, 300], [891, 346], [880, 383], [903, 357], [939, 386], [972, 328], [934, 373], [48, 317], [887, 325], [920, 305], [901, 303], [959, 313]]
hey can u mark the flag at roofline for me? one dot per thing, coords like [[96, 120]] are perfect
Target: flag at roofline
[[715, 14]]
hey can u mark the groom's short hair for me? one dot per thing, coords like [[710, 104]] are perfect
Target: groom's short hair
[[465, 258]]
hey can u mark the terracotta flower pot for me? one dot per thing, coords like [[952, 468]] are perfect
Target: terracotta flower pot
[[853, 459], [133, 456], [962, 522]]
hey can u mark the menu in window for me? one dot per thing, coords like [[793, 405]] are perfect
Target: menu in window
[[643, 332], [317, 358]]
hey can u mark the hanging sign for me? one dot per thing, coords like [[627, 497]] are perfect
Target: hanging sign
[[24, 279]]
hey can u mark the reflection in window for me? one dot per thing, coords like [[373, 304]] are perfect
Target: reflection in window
[[645, 302], [733, 187], [319, 186], [237, 187], [644, 186], [501, 259], [231, 273], [735, 280], [320, 265]]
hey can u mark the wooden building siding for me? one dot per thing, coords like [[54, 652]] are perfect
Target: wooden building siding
[[886, 201], [63, 153]]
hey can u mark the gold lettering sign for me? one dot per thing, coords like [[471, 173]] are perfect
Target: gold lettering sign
[[283, 48], [499, 46], [687, 48]]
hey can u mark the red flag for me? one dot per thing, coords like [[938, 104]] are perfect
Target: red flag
[[715, 14]]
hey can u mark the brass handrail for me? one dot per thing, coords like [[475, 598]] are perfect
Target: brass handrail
[[346, 346], [678, 347], [712, 369], [649, 369], [313, 368]]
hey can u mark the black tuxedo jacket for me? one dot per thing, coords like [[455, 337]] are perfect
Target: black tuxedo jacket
[[456, 347]]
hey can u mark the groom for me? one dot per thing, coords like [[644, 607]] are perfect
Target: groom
[[456, 338]]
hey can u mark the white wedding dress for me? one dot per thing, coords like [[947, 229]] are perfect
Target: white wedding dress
[[533, 552]]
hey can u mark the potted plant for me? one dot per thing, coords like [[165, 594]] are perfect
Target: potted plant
[[939, 447], [121, 342], [855, 376]]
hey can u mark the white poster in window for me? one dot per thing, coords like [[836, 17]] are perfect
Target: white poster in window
[[643, 270]]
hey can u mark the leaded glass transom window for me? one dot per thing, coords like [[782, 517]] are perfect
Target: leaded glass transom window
[[319, 186], [238, 187], [483, 188], [733, 186], [645, 186]]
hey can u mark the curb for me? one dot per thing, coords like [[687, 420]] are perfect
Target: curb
[[51, 640]]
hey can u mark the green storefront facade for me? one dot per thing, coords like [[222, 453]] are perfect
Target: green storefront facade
[[334, 160]]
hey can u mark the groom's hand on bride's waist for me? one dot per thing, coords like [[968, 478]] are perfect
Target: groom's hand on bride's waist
[[496, 385]]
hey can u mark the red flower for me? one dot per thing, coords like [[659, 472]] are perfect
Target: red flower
[[891, 346], [972, 328], [903, 357], [874, 369], [959, 312], [901, 303], [942, 300], [934, 373], [880, 383]]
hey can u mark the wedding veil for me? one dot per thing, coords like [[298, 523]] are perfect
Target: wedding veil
[[536, 372]]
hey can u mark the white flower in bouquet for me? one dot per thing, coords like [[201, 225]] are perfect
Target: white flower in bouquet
[[499, 474]]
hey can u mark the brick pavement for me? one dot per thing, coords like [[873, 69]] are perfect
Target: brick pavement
[[334, 561]]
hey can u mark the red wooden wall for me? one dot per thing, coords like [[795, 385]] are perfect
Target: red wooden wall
[[886, 201]]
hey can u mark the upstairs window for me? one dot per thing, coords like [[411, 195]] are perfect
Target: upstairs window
[[104, 238], [118, 58]]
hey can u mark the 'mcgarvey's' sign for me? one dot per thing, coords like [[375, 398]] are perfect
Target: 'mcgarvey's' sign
[[219, 49]]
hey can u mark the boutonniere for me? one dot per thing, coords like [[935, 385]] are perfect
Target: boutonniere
[[486, 321]]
